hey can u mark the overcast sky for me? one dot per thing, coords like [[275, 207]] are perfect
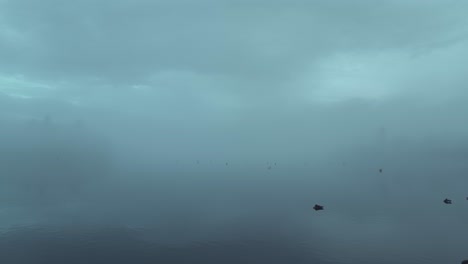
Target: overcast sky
[[263, 66], [231, 53]]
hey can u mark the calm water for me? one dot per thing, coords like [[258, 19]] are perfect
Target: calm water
[[266, 218], [100, 244], [242, 213]]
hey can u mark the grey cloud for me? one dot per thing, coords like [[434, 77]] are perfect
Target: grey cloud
[[126, 42]]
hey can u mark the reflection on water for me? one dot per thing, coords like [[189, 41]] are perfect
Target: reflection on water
[[213, 213], [369, 241], [121, 245]]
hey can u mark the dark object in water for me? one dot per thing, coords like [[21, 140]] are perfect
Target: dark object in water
[[269, 167], [380, 170], [447, 201], [318, 207], [464, 261]]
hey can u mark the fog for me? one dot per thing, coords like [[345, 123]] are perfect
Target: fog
[[205, 131]]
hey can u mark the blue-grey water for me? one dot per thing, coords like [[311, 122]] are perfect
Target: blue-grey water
[[67, 197], [241, 213]]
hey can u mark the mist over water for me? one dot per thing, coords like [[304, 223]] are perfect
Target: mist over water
[[87, 194], [205, 132]]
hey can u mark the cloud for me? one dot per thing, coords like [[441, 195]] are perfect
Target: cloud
[[261, 43], [436, 76], [213, 66]]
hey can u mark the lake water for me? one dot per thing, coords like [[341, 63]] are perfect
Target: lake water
[[236, 211], [252, 215]]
